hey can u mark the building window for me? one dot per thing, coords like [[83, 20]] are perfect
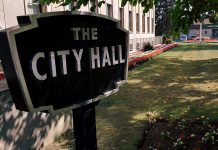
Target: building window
[[137, 22], [130, 47], [130, 21], [152, 25], [33, 7], [138, 46], [109, 10], [148, 24], [121, 17], [143, 23]]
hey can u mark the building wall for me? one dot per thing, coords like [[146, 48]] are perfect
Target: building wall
[[137, 39], [193, 33], [8, 12], [207, 33], [2, 16], [196, 32], [8, 17]]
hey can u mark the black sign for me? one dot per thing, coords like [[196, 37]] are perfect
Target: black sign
[[63, 60]]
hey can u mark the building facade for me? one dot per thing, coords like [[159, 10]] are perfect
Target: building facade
[[141, 26], [194, 31], [208, 30]]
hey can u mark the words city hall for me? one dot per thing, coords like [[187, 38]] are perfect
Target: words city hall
[[99, 57]]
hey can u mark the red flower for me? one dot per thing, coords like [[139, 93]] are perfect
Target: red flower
[[181, 136], [197, 148]]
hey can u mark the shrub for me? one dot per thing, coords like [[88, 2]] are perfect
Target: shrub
[[147, 47], [168, 41], [164, 39]]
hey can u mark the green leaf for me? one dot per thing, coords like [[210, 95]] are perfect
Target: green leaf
[[92, 9], [134, 2], [79, 4], [74, 8], [123, 3], [42, 2], [145, 10], [85, 2], [100, 3]]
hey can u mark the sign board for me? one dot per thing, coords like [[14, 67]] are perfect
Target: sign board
[[63, 60]]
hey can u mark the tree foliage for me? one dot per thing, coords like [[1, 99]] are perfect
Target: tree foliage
[[187, 12], [184, 12], [146, 4], [163, 17]]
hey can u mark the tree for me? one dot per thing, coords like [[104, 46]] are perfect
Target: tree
[[213, 17], [187, 12], [146, 4], [163, 17], [184, 12]]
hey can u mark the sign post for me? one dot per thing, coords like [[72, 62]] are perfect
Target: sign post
[[84, 124], [65, 61]]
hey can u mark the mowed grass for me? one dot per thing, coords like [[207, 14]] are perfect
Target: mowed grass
[[180, 83]]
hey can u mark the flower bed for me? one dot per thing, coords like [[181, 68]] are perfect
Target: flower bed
[[140, 56], [210, 40], [192, 134], [2, 75]]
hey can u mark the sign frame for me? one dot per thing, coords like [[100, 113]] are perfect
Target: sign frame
[[31, 23]]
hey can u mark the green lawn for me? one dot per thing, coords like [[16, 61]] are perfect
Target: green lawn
[[180, 83]]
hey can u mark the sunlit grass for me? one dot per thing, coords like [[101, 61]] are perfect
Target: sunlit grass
[[180, 83]]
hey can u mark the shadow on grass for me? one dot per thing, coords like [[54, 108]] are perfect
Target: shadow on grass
[[163, 87], [168, 86]]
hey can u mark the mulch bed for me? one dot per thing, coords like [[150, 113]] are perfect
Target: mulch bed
[[192, 134]]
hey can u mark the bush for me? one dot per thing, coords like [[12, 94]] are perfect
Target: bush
[[168, 41], [164, 39], [147, 47]]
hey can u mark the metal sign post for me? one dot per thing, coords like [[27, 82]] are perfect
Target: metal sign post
[[84, 123]]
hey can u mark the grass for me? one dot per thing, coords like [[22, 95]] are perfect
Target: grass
[[181, 83]]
